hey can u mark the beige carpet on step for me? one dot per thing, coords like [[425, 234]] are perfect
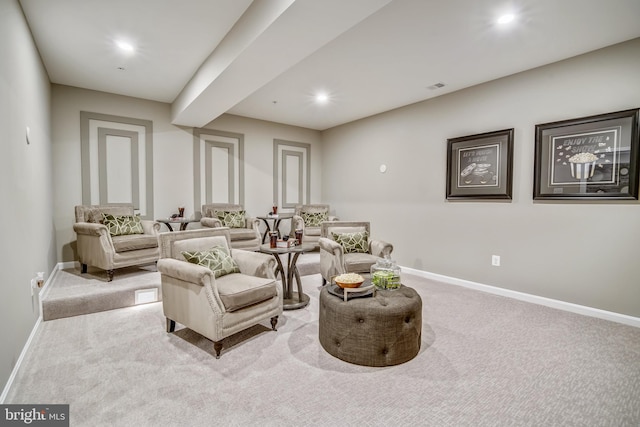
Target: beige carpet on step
[[485, 360], [75, 294]]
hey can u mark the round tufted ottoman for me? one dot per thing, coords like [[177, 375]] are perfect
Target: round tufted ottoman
[[378, 331]]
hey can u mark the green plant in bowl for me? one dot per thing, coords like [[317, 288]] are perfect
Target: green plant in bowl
[[385, 280]]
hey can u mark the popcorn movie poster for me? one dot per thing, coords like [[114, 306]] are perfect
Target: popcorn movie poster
[[591, 158]]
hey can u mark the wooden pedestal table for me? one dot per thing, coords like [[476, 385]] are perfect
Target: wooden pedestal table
[[182, 221], [276, 223], [292, 300]]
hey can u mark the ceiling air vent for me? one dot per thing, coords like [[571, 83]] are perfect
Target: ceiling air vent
[[436, 86]]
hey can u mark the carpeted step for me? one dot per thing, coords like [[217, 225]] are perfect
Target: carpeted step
[[73, 294]]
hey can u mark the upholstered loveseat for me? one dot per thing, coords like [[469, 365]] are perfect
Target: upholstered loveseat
[[244, 230], [122, 240]]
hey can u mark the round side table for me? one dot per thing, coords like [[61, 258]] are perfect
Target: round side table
[[276, 223], [291, 300], [182, 221]]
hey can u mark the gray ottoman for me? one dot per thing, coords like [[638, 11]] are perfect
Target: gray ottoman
[[383, 330]]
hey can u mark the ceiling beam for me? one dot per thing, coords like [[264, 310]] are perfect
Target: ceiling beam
[[266, 41]]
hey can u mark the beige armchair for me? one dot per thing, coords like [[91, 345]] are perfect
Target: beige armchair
[[216, 307], [308, 219], [99, 247], [245, 234], [361, 253]]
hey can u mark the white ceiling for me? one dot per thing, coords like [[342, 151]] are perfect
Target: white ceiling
[[266, 59]]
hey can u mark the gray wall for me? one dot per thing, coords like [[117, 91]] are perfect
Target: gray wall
[[575, 252], [27, 244], [173, 170]]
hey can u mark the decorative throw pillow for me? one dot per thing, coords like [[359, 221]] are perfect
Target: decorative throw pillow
[[313, 219], [231, 219], [122, 225], [353, 242], [216, 259]]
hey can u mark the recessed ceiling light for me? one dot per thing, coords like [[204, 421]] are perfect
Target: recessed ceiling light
[[124, 46], [321, 98], [506, 18]]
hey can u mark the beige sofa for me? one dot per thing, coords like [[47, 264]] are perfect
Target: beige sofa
[[98, 248], [246, 236], [334, 260], [216, 307]]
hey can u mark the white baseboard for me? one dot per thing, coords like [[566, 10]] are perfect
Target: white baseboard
[[45, 289], [561, 305], [14, 372], [68, 264], [34, 331]]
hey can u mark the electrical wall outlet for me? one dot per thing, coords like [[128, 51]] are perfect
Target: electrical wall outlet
[[37, 282], [40, 279], [495, 260]]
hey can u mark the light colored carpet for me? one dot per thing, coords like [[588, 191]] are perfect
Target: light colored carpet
[[485, 360]]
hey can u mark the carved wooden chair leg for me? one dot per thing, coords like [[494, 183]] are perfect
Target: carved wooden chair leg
[[217, 346], [274, 322], [83, 269], [324, 281], [171, 325], [109, 275]]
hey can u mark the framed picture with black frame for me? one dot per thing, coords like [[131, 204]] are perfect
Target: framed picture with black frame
[[588, 158], [480, 166]]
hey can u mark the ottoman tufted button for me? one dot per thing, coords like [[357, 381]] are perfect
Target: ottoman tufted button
[[391, 336]]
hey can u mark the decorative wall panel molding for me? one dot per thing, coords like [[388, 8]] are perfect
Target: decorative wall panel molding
[[292, 173], [117, 161], [218, 167]]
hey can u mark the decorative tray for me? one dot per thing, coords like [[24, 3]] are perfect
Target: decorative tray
[[365, 290]]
